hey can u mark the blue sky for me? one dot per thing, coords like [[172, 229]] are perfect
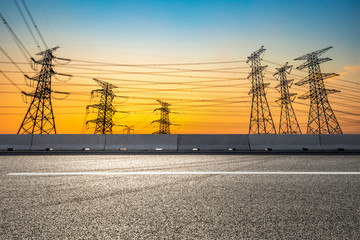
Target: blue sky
[[234, 28]]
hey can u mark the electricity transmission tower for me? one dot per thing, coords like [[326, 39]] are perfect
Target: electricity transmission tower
[[164, 121], [288, 122], [39, 118], [128, 129], [261, 121], [104, 121], [321, 119]]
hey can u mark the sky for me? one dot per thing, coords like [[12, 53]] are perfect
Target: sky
[[204, 98]]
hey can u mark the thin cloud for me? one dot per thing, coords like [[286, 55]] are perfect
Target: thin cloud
[[350, 69]]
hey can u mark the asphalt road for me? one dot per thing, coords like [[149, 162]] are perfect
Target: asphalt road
[[180, 206]]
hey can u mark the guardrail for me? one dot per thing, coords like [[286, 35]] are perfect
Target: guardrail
[[180, 142]]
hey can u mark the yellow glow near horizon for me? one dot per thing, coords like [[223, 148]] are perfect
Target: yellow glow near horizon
[[203, 101]]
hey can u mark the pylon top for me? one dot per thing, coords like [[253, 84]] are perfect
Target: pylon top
[[48, 50], [315, 53], [256, 54], [164, 104], [104, 84], [283, 68]]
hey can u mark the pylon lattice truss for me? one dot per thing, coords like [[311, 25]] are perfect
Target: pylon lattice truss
[[164, 121], [104, 121], [39, 118], [261, 121], [288, 122], [321, 119]]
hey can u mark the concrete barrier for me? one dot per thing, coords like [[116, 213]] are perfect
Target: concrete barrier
[[284, 142], [68, 142], [21, 142], [350, 142], [213, 142], [181, 143], [141, 142]]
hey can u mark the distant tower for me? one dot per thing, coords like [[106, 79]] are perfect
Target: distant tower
[[104, 121], [261, 121], [288, 122], [128, 129], [164, 121], [39, 118], [321, 119]]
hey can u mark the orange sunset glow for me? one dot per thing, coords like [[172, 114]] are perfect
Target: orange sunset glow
[[205, 82]]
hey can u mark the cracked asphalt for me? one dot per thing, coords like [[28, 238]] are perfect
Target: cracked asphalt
[[180, 206]]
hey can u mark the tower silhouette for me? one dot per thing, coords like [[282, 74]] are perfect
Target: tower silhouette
[[39, 118], [104, 121], [288, 122], [261, 121], [164, 121], [321, 119], [128, 129]]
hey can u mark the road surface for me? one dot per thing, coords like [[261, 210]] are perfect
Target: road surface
[[180, 197]]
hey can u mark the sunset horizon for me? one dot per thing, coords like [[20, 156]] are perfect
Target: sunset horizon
[[177, 53]]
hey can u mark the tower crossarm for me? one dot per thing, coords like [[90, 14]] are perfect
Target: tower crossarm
[[315, 53], [310, 63], [304, 96], [256, 70], [63, 74], [326, 91], [93, 121], [260, 86], [31, 94], [288, 97], [60, 92], [286, 82], [40, 75], [323, 76], [97, 106], [163, 109], [331, 91]]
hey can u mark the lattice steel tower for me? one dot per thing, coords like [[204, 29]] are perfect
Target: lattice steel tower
[[104, 121], [261, 121], [128, 129], [321, 119], [39, 118], [164, 121], [288, 122]]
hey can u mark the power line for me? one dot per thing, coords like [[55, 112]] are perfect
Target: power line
[[11, 81], [18, 42], [34, 24], [26, 106], [169, 70], [47, 19], [152, 73], [156, 64], [27, 25], [11, 60]]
